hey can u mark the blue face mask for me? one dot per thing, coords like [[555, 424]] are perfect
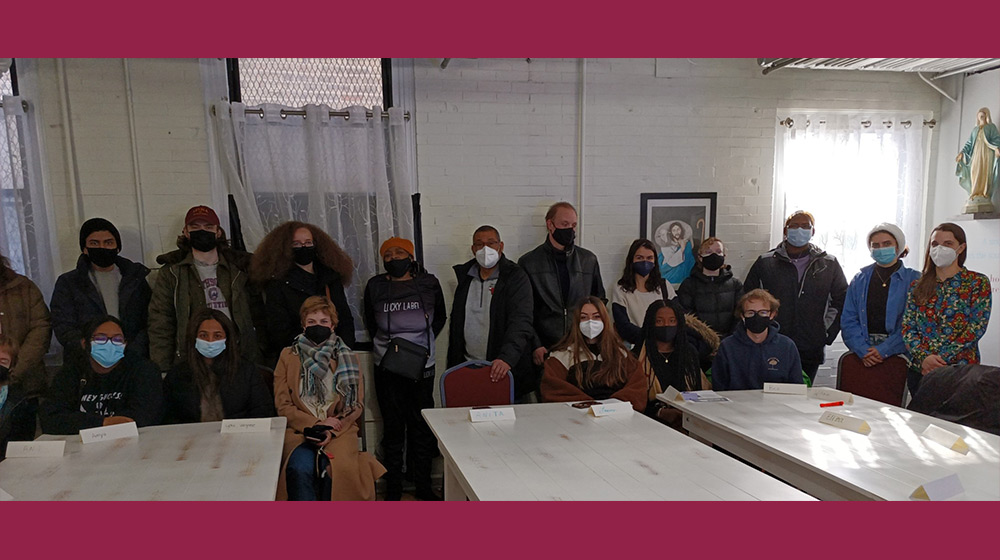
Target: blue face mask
[[643, 268], [107, 354], [3, 395], [210, 349], [798, 237], [884, 255]]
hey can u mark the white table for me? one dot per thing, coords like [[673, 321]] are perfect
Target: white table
[[555, 452], [831, 463], [179, 462]]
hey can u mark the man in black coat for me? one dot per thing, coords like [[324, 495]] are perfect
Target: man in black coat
[[561, 275], [810, 285], [103, 283], [492, 313]]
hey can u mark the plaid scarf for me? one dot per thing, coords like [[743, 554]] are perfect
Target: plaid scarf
[[316, 366]]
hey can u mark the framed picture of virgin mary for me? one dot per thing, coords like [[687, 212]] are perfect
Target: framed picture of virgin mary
[[677, 223]]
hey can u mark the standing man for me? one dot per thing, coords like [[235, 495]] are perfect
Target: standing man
[[561, 274], [205, 272], [810, 285], [492, 313], [103, 283]]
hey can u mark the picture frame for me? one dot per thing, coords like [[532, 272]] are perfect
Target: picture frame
[[677, 223]]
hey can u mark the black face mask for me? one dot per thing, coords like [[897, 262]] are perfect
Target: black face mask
[[399, 267], [318, 334], [100, 257], [665, 334], [757, 324], [713, 261], [4, 375], [564, 236], [304, 255], [203, 240]]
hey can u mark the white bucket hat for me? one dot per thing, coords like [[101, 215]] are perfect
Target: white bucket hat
[[893, 230]]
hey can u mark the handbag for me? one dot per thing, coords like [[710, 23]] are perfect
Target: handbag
[[405, 358]]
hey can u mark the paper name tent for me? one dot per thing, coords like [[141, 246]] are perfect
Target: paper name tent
[[943, 437]]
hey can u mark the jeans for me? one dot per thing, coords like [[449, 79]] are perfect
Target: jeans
[[400, 400], [300, 475]]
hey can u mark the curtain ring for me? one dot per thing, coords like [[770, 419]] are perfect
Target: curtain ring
[[866, 124], [283, 114], [887, 124], [787, 122]]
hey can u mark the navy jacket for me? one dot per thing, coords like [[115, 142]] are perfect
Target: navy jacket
[[742, 364], [76, 301]]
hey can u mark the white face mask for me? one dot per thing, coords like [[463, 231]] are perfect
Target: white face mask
[[943, 256], [591, 329], [487, 257]]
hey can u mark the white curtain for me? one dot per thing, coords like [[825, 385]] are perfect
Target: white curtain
[[853, 171], [25, 230], [348, 176]]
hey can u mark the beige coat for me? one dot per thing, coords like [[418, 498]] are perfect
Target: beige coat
[[353, 472]]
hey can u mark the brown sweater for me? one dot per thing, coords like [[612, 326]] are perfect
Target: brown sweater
[[558, 385]]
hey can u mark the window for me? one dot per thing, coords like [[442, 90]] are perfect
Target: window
[[852, 172], [14, 199], [295, 82]]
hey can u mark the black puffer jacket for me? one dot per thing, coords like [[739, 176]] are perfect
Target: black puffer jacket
[[551, 311], [810, 309], [712, 298]]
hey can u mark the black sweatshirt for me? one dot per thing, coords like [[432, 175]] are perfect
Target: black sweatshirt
[[79, 398]]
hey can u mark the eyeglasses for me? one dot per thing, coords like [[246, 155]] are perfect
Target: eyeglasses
[[296, 244], [760, 313], [117, 340]]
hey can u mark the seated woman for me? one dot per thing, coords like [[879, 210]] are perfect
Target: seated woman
[[13, 420], [318, 388], [214, 383], [873, 311], [947, 309], [591, 362], [668, 359], [103, 386], [639, 286]]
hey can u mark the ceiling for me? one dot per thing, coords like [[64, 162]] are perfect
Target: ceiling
[[940, 67]]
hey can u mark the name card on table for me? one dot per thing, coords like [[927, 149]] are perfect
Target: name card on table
[[670, 395], [36, 448], [108, 433], [491, 414], [846, 422], [940, 489], [830, 395], [246, 425], [938, 435], [612, 408], [785, 388]]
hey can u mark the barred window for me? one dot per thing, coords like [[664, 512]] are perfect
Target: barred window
[[337, 82]]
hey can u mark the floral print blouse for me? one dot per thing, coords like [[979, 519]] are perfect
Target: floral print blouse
[[952, 321]]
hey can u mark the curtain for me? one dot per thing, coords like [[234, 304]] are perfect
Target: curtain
[[348, 176], [25, 230], [854, 171]]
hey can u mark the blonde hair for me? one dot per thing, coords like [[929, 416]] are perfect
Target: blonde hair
[[313, 304]]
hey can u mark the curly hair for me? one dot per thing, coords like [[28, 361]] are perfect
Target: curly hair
[[274, 258]]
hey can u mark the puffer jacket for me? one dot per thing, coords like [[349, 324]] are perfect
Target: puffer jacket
[[25, 318], [712, 298]]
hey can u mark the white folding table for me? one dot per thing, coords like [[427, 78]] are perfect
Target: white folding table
[[178, 462], [782, 435], [553, 451]]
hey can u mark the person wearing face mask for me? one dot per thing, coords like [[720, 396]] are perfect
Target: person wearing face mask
[[204, 272], [561, 273], [591, 362], [756, 353], [873, 311], [404, 313], [13, 420], [639, 286], [810, 285], [214, 383], [293, 262], [319, 389], [25, 319], [105, 386], [947, 309], [668, 359], [711, 291], [492, 312], [103, 283]]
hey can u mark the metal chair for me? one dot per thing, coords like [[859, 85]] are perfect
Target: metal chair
[[885, 382], [468, 384]]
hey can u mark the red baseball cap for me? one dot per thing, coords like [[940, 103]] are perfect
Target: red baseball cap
[[203, 214]]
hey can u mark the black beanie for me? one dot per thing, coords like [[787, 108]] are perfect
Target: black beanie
[[98, 224]]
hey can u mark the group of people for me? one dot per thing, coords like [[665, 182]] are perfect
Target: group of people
[[226, 334]]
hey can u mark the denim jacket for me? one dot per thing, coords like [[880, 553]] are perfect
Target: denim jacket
[[854, 320]]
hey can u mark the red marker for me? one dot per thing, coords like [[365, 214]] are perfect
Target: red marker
[[838, 403]]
